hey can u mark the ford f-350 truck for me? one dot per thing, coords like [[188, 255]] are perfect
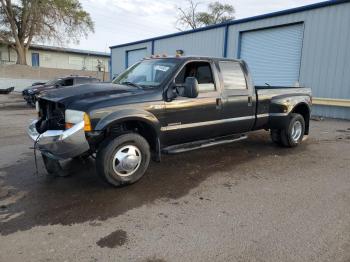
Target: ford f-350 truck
[[163, 105]]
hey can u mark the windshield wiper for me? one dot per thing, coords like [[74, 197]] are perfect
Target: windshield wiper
[[131, 84]]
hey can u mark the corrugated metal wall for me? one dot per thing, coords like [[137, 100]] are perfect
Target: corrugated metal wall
[[325, 63], [205, 43]]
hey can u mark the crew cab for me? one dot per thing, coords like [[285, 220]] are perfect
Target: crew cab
[[30, 93], [164, 105]]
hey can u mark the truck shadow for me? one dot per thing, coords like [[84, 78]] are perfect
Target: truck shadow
[[83, 197]]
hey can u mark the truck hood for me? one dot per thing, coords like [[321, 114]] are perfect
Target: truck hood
[[92, 92]]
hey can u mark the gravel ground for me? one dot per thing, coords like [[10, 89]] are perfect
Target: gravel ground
[[247, 201]]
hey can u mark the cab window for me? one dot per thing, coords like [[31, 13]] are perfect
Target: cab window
[[68, 82], [202, 71], [232, 75]]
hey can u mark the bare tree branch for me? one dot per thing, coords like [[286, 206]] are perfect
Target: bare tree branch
[[189, 16]]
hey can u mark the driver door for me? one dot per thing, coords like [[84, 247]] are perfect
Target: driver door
[[189, 119]]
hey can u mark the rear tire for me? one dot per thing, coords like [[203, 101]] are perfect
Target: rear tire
[[294, 133], [123, 160], [53, 167]]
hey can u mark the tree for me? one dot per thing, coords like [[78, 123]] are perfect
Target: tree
[[23, 21], [216, 13], [188, 17]]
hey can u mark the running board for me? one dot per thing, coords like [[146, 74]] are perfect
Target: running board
[[176, 149]]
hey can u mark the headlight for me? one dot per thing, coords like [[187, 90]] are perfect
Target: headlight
[[73, 117]]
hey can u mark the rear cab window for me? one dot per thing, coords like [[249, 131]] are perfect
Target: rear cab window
[[232, 75]]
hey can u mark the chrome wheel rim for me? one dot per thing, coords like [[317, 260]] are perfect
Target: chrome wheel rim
[[127, 160], [297, 130]]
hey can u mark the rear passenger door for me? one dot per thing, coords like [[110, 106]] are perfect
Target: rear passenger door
[[238, 100]]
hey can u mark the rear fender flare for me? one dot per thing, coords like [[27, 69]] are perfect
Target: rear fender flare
[[283, 107], [287, 104]]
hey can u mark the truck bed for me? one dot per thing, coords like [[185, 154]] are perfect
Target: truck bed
[[270, 98]]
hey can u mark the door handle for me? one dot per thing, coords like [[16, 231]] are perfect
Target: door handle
[[218, 103]]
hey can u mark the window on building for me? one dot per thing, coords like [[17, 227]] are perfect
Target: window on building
[[35, 60], [233, 75], [201, 71]]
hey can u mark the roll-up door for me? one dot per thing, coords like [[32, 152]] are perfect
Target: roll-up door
[[274, 54], [134, 56]]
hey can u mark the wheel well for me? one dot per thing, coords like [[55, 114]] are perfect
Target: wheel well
[[303, 110], [144, 129]]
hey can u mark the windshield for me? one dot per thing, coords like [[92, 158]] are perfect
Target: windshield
[[148, 73]]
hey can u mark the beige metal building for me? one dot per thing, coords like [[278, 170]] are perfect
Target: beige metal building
[[47, 62], [57, 57]]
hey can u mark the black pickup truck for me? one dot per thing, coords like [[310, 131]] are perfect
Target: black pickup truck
[[163, 106]]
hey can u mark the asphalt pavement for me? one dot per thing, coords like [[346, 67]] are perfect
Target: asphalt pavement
[[246, 201]]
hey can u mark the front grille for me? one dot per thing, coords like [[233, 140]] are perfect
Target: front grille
[[51, 116]]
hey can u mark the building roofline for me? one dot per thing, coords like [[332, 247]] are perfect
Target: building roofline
[[68, 50], [239, 21]]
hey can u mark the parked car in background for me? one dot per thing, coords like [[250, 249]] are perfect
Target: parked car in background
[[164, 106], [30, 94]]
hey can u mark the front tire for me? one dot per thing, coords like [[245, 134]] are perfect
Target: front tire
[[294, 133], [123, 160]]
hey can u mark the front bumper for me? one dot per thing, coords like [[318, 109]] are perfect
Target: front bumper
[[60, 144]]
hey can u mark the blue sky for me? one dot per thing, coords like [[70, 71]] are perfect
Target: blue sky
[[122, 21]]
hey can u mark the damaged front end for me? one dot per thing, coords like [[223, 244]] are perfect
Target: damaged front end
[[50, 136]]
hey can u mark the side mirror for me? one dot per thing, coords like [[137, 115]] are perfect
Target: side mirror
[[191, 87]]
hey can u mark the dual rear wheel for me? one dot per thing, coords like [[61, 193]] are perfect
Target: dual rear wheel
[[292, 135]]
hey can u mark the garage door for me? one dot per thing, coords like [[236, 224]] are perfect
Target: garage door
[[273, 55], [134, 56]]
